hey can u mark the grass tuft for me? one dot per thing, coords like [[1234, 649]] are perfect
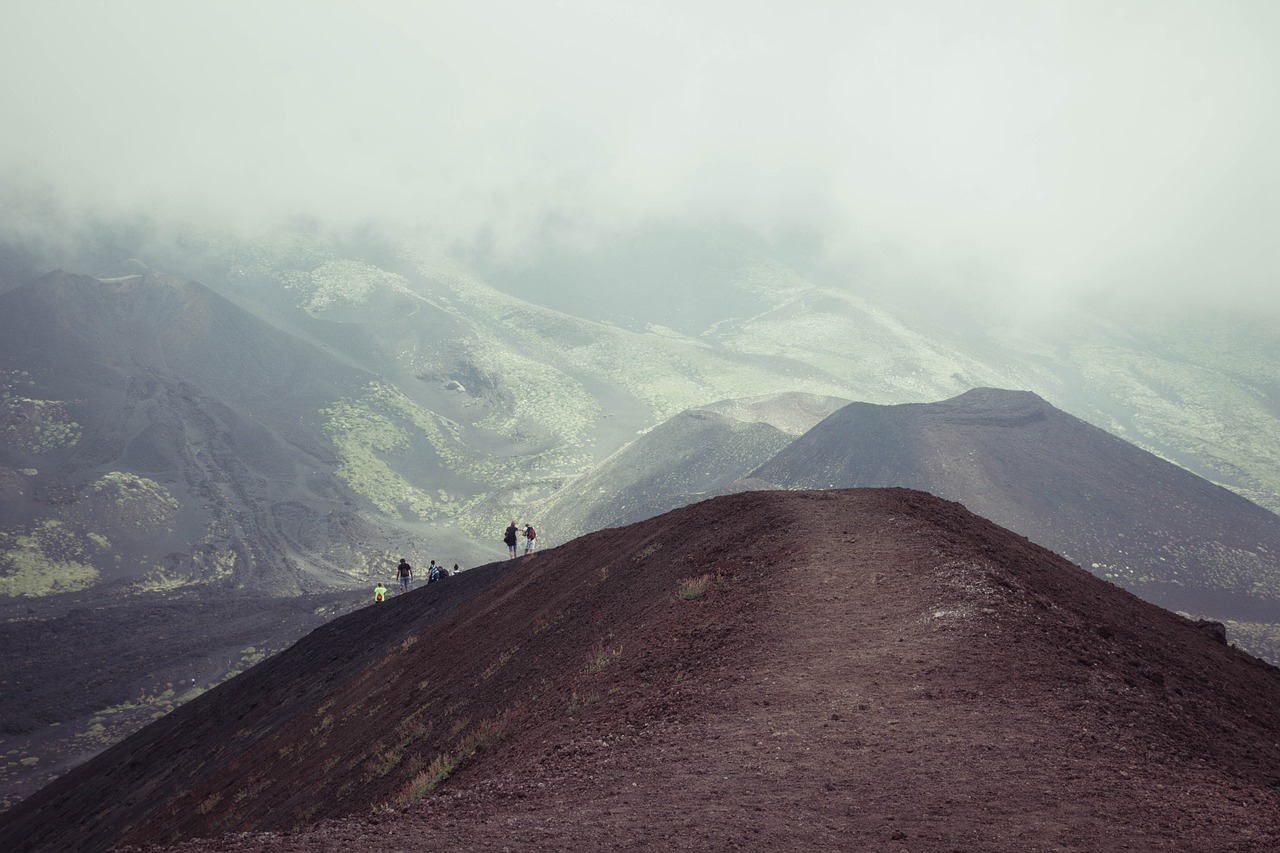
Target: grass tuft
[[440, 768], [691, 588], [601, 656]]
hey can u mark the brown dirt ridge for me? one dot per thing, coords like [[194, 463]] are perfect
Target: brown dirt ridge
[[867, 669], [1158, 530]]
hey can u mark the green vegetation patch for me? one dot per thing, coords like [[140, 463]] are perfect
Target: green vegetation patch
[[114, 723], [214, 564], [601, 656], [484, 735], [36, 426], [43, 560], [360, 434], [134, 502], [159, 579], [693, 588], [1186, 405], [338, 282]]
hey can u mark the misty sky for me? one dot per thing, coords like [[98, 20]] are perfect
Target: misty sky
[[1055, 145]]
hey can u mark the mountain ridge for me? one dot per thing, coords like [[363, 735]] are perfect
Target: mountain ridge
[[1010, 456], [876, 667]]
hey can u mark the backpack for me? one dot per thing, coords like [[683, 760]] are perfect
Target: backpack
[[532, 534]]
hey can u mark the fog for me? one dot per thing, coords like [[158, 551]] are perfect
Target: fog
[[1042, 148]]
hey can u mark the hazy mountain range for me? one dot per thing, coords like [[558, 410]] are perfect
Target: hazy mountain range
[[213, 415]]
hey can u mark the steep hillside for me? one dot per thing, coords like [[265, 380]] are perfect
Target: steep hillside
[[1195, 386], [165, 472], [93, 671], [880, 670], [1127, 515], [158, 436]]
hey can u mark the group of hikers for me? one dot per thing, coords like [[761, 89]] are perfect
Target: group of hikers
[[437, 572], [404, 577], [512, 538]]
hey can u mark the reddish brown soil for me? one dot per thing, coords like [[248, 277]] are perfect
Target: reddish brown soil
[[873, 670]]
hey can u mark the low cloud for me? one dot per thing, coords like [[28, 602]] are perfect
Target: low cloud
[[1042, 148]]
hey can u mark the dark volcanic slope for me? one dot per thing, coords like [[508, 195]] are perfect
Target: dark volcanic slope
[[201, 737], [873, 670], [1154, 528], [157, 440]]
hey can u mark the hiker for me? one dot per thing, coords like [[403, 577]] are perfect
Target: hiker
[[437, 572], [529, 535], [405, 572], [455, 569], [510, 538], [379, 592]]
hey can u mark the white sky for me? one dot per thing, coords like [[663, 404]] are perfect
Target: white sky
[[1058, 145]]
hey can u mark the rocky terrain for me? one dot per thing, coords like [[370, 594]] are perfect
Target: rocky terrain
[[872, 669]]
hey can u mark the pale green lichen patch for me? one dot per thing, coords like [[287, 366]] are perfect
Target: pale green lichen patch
[[133, 502], [1190, 410], [36, 426], [372, 564], [214, 564], [371, 432], [44, 559], [361, 435], [160, 579], [339, 282]]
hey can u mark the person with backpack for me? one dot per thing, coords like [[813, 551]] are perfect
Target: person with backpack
[[379, 592], [529, 535], [510, 537], [405, 572]]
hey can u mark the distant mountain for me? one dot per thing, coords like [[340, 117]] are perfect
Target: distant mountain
[[883, 669], [687, 458], [1129, 516]]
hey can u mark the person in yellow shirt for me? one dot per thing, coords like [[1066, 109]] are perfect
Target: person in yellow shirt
[[379, 592]]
